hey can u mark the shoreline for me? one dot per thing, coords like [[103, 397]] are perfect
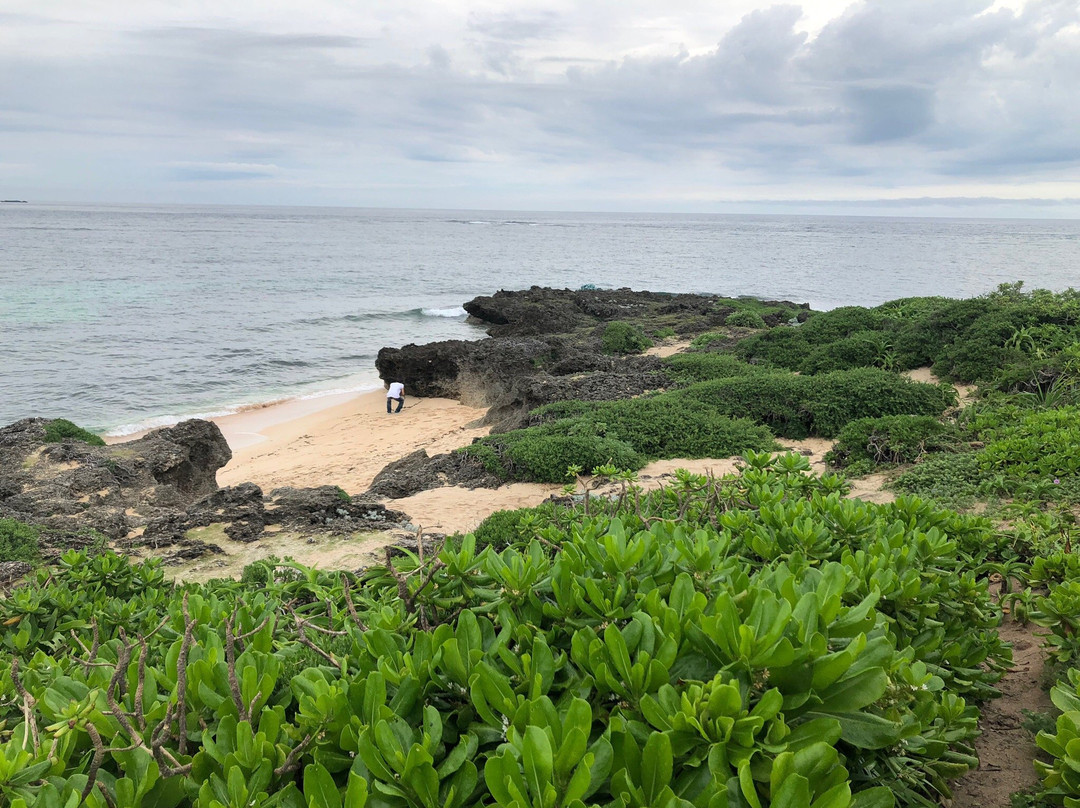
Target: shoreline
[[245, 426]]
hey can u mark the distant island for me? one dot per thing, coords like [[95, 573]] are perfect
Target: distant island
[[13, 202]]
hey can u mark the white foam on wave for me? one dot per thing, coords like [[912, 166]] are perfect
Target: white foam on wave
[[453, 311]]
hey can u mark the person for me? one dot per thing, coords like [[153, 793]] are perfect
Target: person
[[396, 392]]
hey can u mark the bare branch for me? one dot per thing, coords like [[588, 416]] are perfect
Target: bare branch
[[105, 795], [95, 762], [292, 760], [347, 587], [28, 703], [123, 659], [230, 660], [181, 676], [140, 716]]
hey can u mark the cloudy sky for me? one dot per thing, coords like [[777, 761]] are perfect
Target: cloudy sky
[[954, 107]]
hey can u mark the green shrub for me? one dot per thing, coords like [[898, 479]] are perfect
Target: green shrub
[[952, 480], [505, 528], [861, 350], [624, 433], [544, 453], [911, 308], [843, 396], [59, 430], [745, 319], [19, 541], [546, 458], [799, 406], [500, 529], [687, 368], [981, 351], [670, 426], [829, 326], [1030, 444], [776, 400], [704, 342], [782, 347], [624, 338], [893, 439], [664, 333], [260, 572], [657, 427]]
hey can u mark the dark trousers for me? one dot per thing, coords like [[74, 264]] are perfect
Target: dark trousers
[[400, 402]]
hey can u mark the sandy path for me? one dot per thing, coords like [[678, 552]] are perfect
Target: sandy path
[[668, 348]]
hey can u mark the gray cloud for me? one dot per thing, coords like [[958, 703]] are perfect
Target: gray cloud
[[886, 94]]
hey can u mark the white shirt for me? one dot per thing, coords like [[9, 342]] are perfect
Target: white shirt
[[397, 390]]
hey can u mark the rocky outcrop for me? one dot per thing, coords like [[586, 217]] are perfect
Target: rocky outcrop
[[418, 472], [151, 492], [541, 310], [475, 373], [328, 507], [75, 487], [546, 345], [509, 374]]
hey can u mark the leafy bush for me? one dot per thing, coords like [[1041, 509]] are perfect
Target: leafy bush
[[624, 433], [951, 480], [664, 333], [798, 406], [543, 454], [624, 338], [752, 640], [687, 368], [707, 341], [981, 351], [860, 350], [505, 528], [893, 439], [846, 395], [777, 400], [829, 326], [19, 541], [745, 319], [783, 347], [1029, 444], [59, 430]]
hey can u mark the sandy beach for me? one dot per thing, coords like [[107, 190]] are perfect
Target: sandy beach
[[345, 443]]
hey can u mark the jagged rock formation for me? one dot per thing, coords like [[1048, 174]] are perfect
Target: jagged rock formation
[[545, 345], [72, 486], [418, 472], [150, 492], [540, 310]]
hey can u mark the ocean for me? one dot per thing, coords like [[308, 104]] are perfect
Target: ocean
[[124, 317]]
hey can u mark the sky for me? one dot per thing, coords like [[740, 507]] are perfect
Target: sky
[[895, 107]]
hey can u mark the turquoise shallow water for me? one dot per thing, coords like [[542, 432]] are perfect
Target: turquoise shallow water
[[116, 317]]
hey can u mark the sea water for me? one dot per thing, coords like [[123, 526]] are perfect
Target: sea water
[[120, 318]]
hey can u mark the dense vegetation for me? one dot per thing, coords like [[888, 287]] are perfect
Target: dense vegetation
[[626, 434], [18, 541], [1007, 334], [624, 338], [721, 416], [749, 641], [60, 429]]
